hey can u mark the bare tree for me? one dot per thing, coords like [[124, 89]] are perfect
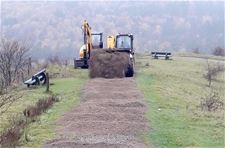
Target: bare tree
[[212, 71], [55, 60], [13, 59], [211, 102]]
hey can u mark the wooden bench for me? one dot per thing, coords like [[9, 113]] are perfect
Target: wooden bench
[[157, 54], [37, 78]]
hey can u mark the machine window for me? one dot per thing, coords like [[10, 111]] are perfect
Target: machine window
[[96, 40], [123, 42]]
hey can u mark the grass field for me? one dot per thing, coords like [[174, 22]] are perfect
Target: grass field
[[173, 90], [68, 91]]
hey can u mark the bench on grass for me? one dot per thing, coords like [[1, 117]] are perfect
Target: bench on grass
[[157, 54], [37, 79]]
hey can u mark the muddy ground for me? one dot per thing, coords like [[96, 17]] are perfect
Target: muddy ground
[[111, 114]]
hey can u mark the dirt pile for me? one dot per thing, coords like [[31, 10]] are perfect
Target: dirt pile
[[111, 115], [107, 63]]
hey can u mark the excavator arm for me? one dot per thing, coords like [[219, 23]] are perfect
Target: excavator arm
[[87, 39], [85, 50]]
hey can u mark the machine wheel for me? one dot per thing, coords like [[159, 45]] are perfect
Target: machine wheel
[[84, 67], [130, 71]]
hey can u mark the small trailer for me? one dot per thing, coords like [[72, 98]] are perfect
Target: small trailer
[[37, 79], [157, 54]]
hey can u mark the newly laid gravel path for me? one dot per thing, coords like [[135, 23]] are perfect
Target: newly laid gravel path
[[111, 114]]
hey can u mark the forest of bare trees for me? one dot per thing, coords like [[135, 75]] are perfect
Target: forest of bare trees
[[13, 60], [155, 26]]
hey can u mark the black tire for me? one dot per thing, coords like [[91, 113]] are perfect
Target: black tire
[[130, 71], [84, 67]]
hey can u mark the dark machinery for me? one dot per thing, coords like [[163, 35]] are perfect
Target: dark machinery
[[117, 60], [121, 45], [124, 43]]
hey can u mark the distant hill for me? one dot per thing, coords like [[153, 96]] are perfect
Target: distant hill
[[54, 28]]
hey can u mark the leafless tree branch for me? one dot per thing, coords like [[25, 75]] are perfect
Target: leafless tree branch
[[13, 59], [212, 71]]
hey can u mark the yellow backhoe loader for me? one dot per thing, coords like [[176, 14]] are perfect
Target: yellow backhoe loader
[[91, 41], [117, 60]]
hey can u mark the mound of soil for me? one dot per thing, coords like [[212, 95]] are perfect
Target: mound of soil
[[111, 115], [108, 63]]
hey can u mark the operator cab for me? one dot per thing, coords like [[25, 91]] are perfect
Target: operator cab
[[124, 41], [97, 40]]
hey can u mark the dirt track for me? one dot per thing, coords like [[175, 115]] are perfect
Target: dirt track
[[111, 114]]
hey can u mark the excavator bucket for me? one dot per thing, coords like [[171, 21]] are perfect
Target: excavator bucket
[[109, 63]]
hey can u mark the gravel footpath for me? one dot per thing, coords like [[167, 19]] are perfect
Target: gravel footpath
[[111, 115]]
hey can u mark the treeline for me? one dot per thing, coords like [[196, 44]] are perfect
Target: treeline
[[55, 27], [218, 51]]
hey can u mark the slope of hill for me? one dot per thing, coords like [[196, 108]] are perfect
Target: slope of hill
[[55, 27]]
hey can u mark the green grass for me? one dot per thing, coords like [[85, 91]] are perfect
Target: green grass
[[68, 91], [42, 130], [173, 90]]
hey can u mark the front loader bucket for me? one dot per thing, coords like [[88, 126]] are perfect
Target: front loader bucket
[[107, 63]]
